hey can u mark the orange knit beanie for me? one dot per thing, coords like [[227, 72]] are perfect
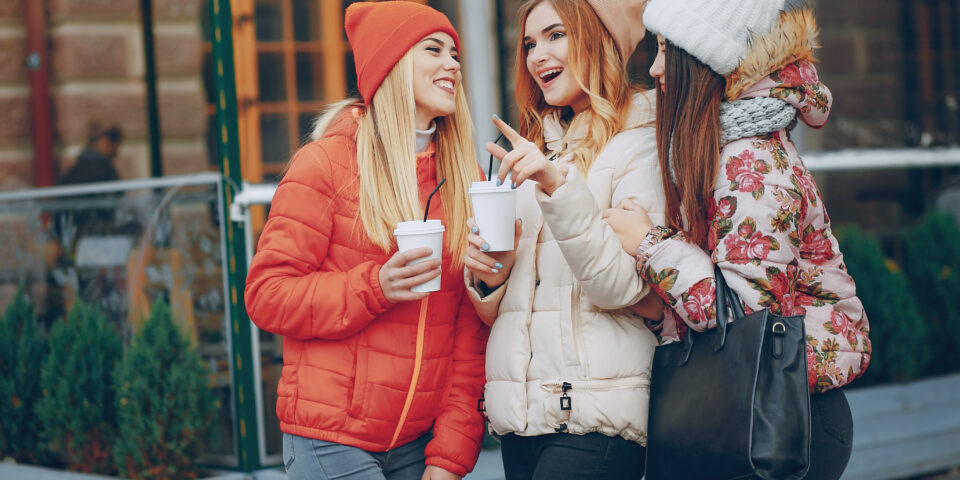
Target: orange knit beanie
[[381, 33]]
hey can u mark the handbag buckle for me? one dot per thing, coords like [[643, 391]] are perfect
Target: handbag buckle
[[779, 330]]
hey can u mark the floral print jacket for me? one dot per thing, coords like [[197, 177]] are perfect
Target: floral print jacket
[[770, 234]]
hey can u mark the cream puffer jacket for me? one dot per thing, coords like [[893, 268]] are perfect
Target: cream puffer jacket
[[564, 354]]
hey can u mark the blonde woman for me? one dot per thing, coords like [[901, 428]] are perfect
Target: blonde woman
[[568, 364], [379, 382]]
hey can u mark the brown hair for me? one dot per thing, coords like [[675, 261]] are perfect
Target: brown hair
[[594, 60], [688, 140]]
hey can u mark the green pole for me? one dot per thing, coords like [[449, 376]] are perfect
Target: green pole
[[221, 22]]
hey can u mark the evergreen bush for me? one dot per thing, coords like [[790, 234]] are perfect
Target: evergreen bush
[[164, 402], [76, 408], [898, 332], [932, 265], [22, 350]]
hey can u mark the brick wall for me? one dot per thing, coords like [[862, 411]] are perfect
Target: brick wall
[[862, 61], [16, 151], [97, 73]]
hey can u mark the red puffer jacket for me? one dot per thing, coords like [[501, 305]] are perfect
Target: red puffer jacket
[[359, 370]]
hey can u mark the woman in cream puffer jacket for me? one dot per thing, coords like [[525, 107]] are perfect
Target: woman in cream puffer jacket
[[565, 353]]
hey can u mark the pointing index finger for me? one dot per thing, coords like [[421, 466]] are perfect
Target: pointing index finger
[[508, 132]]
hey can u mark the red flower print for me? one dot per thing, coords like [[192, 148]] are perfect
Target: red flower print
[[840, 322], [806, 185], [790, 75], [741, 171], [751, 245], [811, 366], [808, 73], [699, 301], [815, 246], [726, 207]]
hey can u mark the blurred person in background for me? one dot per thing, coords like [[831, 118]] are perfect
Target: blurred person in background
[[95, 162]]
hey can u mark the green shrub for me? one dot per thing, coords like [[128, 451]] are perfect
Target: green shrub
[[164, 402], [898, 332], [75, 409], [22, 350], [932, 265]]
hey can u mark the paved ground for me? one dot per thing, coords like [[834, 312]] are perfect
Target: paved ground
[[489, 466]]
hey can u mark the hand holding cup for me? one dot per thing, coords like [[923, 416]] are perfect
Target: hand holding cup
[[398, 275], [491, 268]]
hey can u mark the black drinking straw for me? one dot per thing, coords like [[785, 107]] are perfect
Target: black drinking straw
[[490, 168], [427, 210]]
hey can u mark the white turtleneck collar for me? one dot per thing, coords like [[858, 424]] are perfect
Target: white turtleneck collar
[[424, 137]]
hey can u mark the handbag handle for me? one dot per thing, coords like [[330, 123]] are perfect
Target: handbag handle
[[722, 307], [727, 300]]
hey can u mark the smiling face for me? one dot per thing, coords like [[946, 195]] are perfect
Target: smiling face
[[658, 69], [436, 77], [546, 47]]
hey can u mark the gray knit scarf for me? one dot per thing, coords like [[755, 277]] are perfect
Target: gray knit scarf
[[754, 116], [750, 117]]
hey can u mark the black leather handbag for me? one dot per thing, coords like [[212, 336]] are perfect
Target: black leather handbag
[[731, 402]]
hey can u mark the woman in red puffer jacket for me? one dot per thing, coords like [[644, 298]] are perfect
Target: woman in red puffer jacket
[[377, 380]]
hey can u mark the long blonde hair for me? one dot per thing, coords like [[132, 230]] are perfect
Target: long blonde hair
[[594, 60], [389, 188]]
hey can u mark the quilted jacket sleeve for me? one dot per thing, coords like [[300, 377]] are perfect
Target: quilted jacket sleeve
[[458, 430], [606, 273], [286, 292], [754, 250]]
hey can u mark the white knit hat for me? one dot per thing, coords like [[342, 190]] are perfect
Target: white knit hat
[[716, 32]]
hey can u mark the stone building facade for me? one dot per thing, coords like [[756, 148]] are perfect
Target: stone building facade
[[96, 72]]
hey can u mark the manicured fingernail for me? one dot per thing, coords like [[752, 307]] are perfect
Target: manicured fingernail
[[513, 186], [496, 116], [474, 230], [499, 182], [485, 247], [498, 265]]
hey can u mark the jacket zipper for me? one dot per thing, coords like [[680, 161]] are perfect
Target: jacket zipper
[[418, 359], [594, 385]]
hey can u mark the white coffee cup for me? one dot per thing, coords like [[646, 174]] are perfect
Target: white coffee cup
[[495, 211], [416, 234]]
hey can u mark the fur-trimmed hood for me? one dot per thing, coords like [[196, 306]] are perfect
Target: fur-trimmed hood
[[779, 64]]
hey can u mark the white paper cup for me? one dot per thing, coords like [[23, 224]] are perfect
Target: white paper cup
[[495, 210], [416, 234]]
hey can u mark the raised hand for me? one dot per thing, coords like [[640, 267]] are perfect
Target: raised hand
[[526, 161]]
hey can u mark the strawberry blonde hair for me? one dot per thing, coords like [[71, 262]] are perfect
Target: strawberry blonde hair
[[594, 60]]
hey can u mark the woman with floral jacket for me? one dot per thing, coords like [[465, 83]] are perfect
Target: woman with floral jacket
[[739, 195]]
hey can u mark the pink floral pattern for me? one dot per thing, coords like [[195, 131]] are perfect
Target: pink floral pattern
[[770, 234]]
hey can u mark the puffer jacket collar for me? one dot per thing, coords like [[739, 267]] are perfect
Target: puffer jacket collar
[[641, 113]]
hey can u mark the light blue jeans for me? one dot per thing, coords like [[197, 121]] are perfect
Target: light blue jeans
[[310, 459]]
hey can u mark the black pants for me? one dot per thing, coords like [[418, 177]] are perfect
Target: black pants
[[562, 456], [832, 436]]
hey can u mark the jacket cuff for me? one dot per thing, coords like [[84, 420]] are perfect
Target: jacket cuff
[[458, 470], [486, 306], [645, 250], [382, 303], [571, 207]]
